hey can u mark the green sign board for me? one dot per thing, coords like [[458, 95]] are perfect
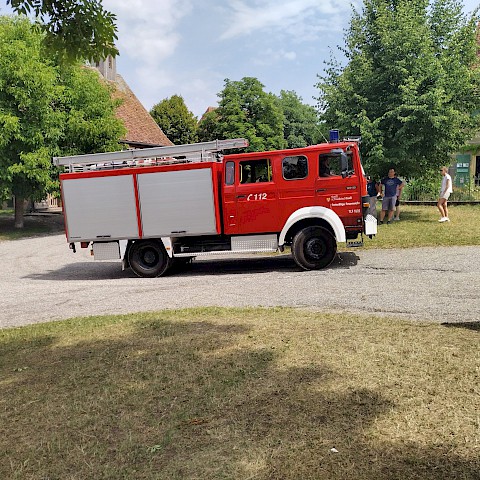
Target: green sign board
[[462, 170]]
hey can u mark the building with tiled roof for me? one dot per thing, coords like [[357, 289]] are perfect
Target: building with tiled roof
[[207, 111], [142, 130]]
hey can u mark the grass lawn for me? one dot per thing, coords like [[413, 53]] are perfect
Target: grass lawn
[[240, 394], [419, 227], [35, 225]]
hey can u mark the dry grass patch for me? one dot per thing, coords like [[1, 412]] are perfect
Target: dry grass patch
[[237, 394]]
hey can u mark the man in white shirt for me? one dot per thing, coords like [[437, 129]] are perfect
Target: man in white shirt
[[445, 191]]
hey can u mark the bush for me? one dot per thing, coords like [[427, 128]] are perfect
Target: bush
[[426, 190], [421, 189]]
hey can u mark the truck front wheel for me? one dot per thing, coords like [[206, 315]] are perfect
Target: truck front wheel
[[148, 258], [314, 248]]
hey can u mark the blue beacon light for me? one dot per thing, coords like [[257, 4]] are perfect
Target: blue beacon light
[[334, 136]]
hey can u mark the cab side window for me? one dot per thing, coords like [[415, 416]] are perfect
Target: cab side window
[[255, 171], [329, 165], [295, 167], [229, 173]]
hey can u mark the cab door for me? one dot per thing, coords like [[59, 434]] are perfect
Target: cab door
[[340, 193], [251, 202], [229, 202]]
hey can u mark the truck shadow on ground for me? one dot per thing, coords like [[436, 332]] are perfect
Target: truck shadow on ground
[[212, 266], [256, 264]]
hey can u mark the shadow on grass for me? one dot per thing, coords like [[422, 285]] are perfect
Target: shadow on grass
[[217, 266], [171, 399], [475, 326], [411, 216]]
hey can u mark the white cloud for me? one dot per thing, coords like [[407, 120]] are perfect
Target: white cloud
[[152, 84], [147, 30], [171, 47], [284, 15], [151, 37], [271, 56]]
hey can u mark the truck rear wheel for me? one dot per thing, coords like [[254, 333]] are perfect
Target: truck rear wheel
[[314, 248], [148, 258]]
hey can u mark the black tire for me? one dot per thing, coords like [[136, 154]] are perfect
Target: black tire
[[148, 258], [314, 248]]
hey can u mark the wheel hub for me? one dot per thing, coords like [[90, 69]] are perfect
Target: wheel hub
[[149, 257], [315, 248]]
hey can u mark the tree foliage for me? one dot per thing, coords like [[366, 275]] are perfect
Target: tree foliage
[[89, 122], [176, 121], [301, 125], [246, 111], [207, 126], [267, 121], [45, 110], [74, 29], [411, 84]]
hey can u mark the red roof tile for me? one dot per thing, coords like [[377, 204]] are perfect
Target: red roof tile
[[141, 127]]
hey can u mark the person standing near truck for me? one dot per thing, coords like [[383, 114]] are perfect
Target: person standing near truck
[[373, 189], [389, 187], [445, 191], [396, 215]]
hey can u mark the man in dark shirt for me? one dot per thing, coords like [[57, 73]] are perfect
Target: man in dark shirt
[[389, 187], [373, 190]]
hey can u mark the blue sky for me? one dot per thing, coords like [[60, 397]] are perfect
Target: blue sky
[[189, 47]]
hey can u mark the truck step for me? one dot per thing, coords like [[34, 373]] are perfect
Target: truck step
[[355, 244]]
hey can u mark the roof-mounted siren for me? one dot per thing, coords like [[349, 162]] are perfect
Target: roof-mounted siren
[[334, 136]]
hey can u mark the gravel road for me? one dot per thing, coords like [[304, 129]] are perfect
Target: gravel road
[[41, 280]]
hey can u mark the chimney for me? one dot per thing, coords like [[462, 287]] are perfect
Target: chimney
[[108, 68]]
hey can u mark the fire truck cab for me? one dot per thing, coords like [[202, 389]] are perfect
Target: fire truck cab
[[176, 207]]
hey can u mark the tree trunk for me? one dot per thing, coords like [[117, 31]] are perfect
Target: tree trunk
[[19, 209]]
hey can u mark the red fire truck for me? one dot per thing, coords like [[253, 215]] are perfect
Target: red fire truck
[[155, 206]]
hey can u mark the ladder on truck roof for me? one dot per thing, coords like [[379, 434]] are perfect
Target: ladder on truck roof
[[193, 152]]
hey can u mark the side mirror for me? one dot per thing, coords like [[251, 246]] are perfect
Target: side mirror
[[343, 160]]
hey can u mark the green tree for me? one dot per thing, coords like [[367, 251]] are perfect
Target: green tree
[[74, 29], [410, 86], [89, 118], [301, 126], [207, 126], [176, 121], [45, 110], [247, 111]]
